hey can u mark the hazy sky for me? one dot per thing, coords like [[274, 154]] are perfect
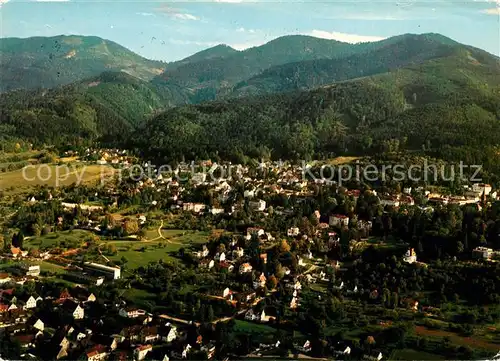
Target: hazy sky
[[173, 30]]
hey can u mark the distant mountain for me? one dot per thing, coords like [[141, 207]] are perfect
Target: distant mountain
[[216, 52], [105, 108], [447, 106], [373, 58], [208, 79], [44, 62]]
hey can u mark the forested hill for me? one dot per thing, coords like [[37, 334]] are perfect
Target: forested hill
[[383, 57], [44, 62], [447, 106], [300, 62], [104, 108]]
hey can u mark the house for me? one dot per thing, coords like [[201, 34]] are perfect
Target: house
[[17, 252], [410, 256], [251, 316], [215, 211], [109, 342], [96, 353], [245, 268], [482, 253], [29, 302], [258, 205], [74, 309], [149, 334], [131, 312], [4, 278], [481, 188], [260, 281], [254, 231], [293, 232], [246, 297], [306, 347], [338, 220], [30, 270], [209, 350], [170, 333], [341, 349], [270, 315], [193, 207], [198, 178], [220, 257], [203, 253], [83, 295], [140, 352], [207, 263], [391, 201], [238, 252], [112, 273]]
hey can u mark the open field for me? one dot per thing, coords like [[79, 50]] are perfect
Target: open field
[[52, 175], [253, 328], [474, 342], [65, 238], [141, 253]]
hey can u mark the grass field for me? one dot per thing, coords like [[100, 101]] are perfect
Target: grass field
[[474, 341], [253, 328], [410, 354], [74, 237], [141, 253], [52, 175]]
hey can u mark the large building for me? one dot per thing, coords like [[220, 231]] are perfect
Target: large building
[[106, 271]]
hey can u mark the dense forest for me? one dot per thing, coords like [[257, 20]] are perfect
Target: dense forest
[[425, 93]]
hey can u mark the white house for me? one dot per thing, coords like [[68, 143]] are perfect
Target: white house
[[78, 313], [482, 188], [220, 257], [193, 207], [131, 312], [338, 220], [171, 333], [293, 232], [30, 303], [410, 256], [258, 205]]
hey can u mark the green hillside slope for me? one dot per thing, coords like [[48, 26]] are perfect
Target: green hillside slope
[[44, 62]]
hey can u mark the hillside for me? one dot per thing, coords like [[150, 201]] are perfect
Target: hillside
[[209, 79], [447, 106], [375, 58], [216, 52], [300, 62], [44, 62], [104, 108]]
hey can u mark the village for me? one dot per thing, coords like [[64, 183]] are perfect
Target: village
[[173, 264]]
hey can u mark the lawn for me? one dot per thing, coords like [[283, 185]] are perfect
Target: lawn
[[140, 253], [410, 354], [52, 175], [253, 328], [64, 239]]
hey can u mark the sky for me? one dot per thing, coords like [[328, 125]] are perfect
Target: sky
[[172, 30]]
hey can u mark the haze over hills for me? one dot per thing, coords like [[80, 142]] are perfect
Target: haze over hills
[[421, 91]]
